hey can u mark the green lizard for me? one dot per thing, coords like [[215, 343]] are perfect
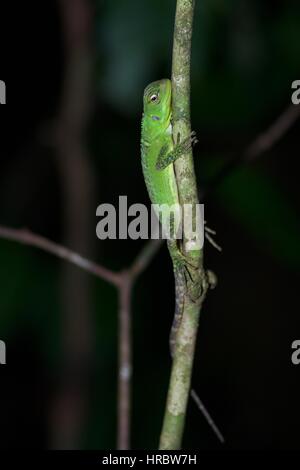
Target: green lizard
[[159, 152]]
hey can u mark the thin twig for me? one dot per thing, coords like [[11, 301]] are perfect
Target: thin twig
[[26, 237], [127, 279], [260, 145], [125, 362], [273, 134], [207, 416], [143, 259], [124, 282]]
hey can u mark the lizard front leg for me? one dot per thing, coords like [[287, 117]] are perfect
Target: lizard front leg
[[167, 156]]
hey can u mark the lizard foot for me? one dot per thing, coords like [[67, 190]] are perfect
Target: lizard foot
[[208, 232], [187, 143]]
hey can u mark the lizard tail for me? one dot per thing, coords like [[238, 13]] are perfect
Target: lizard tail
[[179, 306], [207, 416]]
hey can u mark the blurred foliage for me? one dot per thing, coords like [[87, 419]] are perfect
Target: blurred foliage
[[241, 50], [257, 202]]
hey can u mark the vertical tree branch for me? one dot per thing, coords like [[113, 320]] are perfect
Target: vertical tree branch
[[184, 167], [126, 283], [180, 381], [124, 367]]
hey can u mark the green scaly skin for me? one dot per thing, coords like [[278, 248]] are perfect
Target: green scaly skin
[[159, 152], [158, 155]]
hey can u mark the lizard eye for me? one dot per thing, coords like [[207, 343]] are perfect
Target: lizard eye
[[153, 97]]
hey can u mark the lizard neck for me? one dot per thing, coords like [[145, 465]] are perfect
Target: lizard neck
[[153, 126]]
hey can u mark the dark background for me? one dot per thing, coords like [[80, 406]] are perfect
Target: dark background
[[58, 389]]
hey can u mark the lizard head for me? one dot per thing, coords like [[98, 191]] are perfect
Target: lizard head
[[157, 101]]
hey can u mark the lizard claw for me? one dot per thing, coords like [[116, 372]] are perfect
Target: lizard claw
[[194, 139], [188, 143]]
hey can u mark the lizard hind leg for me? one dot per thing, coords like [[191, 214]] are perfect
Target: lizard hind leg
[[180, 268]]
